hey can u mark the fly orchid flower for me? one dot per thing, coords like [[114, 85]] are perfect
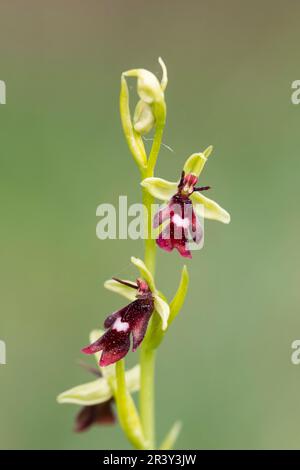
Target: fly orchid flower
[[97, 397], [130, 320], [185, 204]]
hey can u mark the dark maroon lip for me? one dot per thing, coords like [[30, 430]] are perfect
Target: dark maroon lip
[[88, 416], [128, 323]]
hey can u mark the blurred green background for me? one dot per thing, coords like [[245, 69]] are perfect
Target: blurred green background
[[225, 367]]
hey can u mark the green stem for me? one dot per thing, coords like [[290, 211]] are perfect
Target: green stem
[[155, 148], [150, 245], [147, 360], [148, 200], [147, 394]]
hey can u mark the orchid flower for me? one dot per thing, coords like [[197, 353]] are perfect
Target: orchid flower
[[97, 397], [132, 319], [185, 203]]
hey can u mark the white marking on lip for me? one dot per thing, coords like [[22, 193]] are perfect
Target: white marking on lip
[[120, 325], [179, 222]]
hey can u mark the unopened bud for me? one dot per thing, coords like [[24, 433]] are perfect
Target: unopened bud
[[143, 119]]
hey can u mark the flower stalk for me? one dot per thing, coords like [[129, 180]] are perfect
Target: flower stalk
[[147, 357], [155, 96]]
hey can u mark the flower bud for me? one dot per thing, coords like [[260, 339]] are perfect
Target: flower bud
[[149, 89], [143, 119]]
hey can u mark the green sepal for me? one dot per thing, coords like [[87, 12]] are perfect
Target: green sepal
[[91, 393], [144, 271]]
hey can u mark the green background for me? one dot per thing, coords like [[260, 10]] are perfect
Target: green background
[[225, 366]]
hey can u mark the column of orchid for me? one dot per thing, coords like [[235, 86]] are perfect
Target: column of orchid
[[146, 319]]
